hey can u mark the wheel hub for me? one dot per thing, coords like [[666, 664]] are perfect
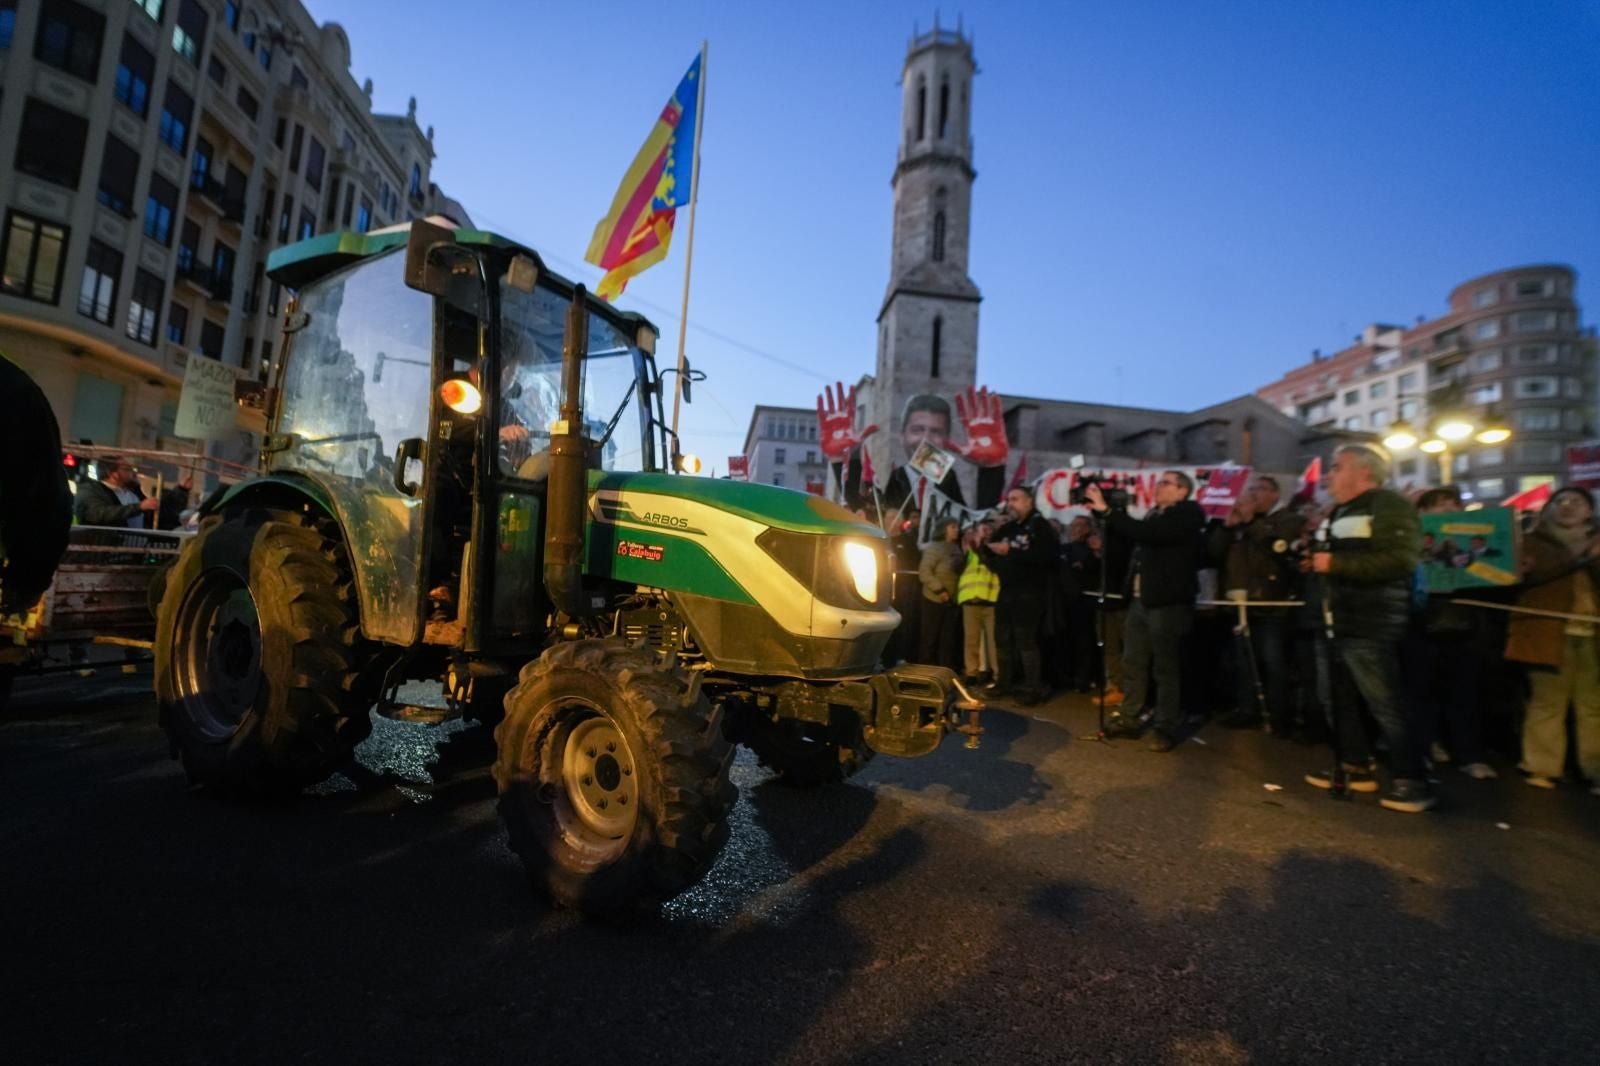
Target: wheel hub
[[597, 770], [219, 670]]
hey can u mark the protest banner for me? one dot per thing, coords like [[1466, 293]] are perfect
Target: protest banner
[[1583, 464], [936, 507], [206, 407], [1470, 549], [1221, 491], [739, 467]]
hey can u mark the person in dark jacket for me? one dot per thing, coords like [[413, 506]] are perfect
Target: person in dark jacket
[[1251, 548], [35, 503], [1161, 588], [1371, 545], [940, 575], [116, 499], [1023, 553]]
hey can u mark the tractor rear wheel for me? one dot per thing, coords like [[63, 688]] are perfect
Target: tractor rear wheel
[[258, 655], [803, 754], [613, 777]]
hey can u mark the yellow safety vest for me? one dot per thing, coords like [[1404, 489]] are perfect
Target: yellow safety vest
[[978, 583]]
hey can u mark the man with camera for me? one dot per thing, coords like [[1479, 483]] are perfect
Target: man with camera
[[1161, 588], [1023, 552], [1368, 550]]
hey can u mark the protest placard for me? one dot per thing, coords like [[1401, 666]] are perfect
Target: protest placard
[[1583, 464], [206, 407], [1469, 549]]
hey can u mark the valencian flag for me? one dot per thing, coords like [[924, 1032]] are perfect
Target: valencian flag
[[637, 231]]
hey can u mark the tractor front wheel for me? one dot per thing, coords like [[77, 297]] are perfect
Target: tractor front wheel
[[613, 777]]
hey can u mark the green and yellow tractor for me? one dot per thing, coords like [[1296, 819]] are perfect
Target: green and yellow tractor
[[466, 478]]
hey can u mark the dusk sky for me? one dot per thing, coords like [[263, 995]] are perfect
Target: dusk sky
[[1175, 202]]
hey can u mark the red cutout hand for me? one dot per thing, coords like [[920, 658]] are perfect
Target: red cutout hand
[[983, 420], [836, 420]]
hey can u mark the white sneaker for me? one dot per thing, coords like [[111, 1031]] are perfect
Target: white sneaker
[[1540, 781], [1437, 753], [1479, 771]]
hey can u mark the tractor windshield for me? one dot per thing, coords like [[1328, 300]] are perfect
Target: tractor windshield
[[614, 378]]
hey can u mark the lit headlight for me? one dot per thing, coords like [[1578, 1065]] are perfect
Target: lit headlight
[[862, 562]]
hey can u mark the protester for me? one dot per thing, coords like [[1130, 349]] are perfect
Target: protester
[[1444, 655], [1111, 614], [1023, 552], [906, 588], [1561, 573], [116, 499], [1252, 546], [940, 621], [35, 503], [1080, 582], [977, 592], [1161, 591], [1372, 543], [1312, 688]]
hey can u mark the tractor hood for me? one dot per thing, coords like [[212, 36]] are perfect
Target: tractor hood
[[798, 512]]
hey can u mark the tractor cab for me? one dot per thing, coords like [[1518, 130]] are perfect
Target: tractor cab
[[416, 396]]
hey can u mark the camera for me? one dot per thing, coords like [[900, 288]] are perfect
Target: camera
[[1116, 497]]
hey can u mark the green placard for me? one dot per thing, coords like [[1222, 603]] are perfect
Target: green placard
[[1470, 549]]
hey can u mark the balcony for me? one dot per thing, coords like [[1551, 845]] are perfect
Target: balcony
[[213, 194], [206, 280]]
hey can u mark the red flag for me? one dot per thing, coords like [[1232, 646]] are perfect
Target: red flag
[[1530, 499], [1020, 478], [1308, 481], [869, 477]]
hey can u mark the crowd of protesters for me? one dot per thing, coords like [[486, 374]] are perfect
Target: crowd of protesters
[[1308, 621]]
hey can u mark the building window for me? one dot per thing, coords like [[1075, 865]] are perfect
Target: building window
[[780, 455], [938, 237], [1488, 458], [1489, 393], [1572, 388], [98, 292], [811, 455], [1538, 451], [1491, 488], [1353, 422], [1535, 387], [50, 145], [1535, 420], [1380, 418], [308, 223], [274, 294], [1486, 330], [1408, 408], [1536, 355], [1407, 382], [944, 109], [938, 346], [8, 23], [1352, 397], [1377, 390], [158, 208], [150, 7], [296, 143], [135, 70], [1573, 421], [177, 322], [349, 205], [1485, 298], [1407, 468], [1534, 321], [364, 217], [1489, 360], [144, 307], [297, 78], [248, 103], [284, 218], [189, 35], [211, 338], [922, 109], [265, 56], [217, 72], [416, 182], [1533, 287], [222, 258], [316, 157], [777, 479], [230, 15], [200, 164], [119, 171], [69, 38], [188, 245], [177, 111], [34, 257]]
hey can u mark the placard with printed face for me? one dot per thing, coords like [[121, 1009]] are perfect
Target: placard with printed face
[[1469, 549]]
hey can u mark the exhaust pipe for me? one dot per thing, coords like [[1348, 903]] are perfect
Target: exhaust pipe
[[567, 489]]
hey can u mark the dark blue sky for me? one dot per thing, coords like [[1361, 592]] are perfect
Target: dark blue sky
[[1175, 202]]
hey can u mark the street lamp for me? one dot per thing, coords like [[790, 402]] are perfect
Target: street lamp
[[1451, 427]]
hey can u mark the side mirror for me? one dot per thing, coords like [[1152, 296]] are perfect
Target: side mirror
[[422, 272]]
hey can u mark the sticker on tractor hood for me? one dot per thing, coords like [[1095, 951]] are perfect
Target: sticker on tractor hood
[[618, 511], [650, 553]]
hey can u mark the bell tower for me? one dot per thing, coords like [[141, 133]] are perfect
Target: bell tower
[[928, 324]]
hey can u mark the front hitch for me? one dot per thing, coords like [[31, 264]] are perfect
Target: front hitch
[[913, 706]]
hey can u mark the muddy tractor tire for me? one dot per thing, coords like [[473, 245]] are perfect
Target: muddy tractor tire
[[613, 777], [803, 755], [258, 655]]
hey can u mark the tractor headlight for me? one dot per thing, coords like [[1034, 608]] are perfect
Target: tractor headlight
[[862, 563]]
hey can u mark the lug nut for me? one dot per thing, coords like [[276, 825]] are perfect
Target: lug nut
[[611, 745], [589, 752], [602, 805]]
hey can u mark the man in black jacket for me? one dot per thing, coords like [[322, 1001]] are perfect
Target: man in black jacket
[[1161, 589], [35, 503], [1023, 552]]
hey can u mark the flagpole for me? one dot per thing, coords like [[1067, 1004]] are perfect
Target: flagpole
[[688, 253]]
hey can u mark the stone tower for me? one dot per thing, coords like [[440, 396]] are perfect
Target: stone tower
[[928, 325]]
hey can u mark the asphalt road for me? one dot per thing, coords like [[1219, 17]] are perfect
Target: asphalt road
[[1044, 899]]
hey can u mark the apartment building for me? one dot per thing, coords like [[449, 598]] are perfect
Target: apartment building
[[154, 152], [781, 445], [1510, 347]]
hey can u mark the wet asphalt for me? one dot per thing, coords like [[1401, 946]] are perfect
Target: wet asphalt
[[1043, 899]]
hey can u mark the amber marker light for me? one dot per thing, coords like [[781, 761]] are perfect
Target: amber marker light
[[461, 396]]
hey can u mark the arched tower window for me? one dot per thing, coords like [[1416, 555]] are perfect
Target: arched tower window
[[938, 338], [938, 237], [416, 181], [944, 108], [922, 109]]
